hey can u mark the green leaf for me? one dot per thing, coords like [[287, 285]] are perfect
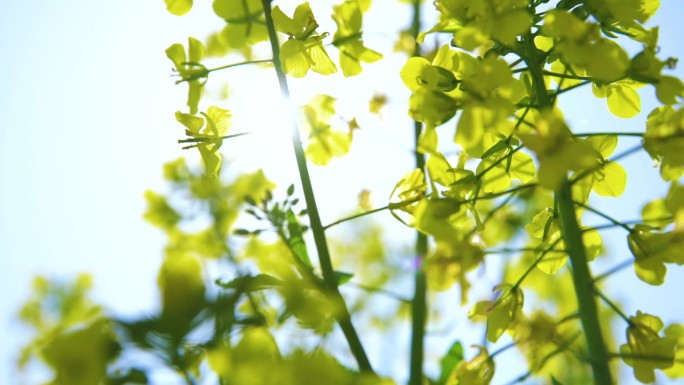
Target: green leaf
[[351, 56], [196, 50], [211, 158], [159, 212], [251, 283], [324, 142], [342, 277], [440, 170], [643, 340], [218, 122], [181, 283], [450, 262], [304, 50], [193, 124], [652, 251], [432, 217], [676, 331], [655, 213], [80, 357], [610, 180], [178, 7], [469, 129], [624, 101], [450, 360], [431, 107], [296, 240], [176, 53], [411, 187], [669, 90], [502, 313], [349, 18], [604, 144], [321, 61], [300, 26], [294, 59], [195, 89]]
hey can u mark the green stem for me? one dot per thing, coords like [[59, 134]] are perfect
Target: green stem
[[605, 216], [614, 269], [379, 290], [342, 316], [588, 134], [502, 193], [644, 357], [391, 206], [565, 76], [507, 250], [201, 139], [240, 64], [491, 214], [355, 216], [612, 305], [564, 90], [572, 236], [535, 263], [419, 304], [585, 173]]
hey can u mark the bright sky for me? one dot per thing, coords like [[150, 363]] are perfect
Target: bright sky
[[87, 105]]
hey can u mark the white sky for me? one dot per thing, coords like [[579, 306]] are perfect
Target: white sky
[[87, 107]]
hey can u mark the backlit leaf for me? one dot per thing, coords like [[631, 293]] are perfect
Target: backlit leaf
[[610, 180], [669, 90], [643, 340], [448, 363], [624, 102], [502, 313], [178, 7]]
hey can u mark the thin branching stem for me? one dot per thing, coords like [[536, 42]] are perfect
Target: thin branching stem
[[507, 250], [491, 214], [239, 64], [379, 290], [544, 360], [605, 216], [624, 154], [202, 139], [391, 206], [622, 265], [565, 76], [588, 134], [536, 262], [612, 305], [356, 216]]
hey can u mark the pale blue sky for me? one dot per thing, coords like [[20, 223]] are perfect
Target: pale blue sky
[[87, 107]]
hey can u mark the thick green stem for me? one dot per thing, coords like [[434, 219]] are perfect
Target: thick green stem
[[419, 303], [343, 317], [581, 275], [572, 236]]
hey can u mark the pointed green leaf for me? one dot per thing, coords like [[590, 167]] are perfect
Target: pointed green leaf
[[450, 360], [296, 240]]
